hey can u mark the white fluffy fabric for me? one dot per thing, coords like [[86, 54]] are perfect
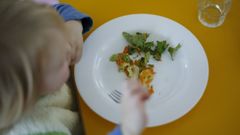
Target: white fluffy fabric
[[51, 114]]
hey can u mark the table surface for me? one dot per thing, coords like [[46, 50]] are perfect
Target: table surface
[[218, 112]]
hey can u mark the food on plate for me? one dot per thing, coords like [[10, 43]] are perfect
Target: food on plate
[[134, 59], [172, 50]]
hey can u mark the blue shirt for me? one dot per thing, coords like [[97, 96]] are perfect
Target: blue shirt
[[116, 131], [69, 13]]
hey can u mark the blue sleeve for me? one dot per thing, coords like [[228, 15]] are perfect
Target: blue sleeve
[[69, 13], [116, 131]]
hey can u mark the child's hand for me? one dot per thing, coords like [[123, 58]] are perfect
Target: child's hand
[[75, 29], [134, 117]]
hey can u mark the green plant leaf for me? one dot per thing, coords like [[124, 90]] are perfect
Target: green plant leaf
[[126, 58], [159, 49], [172, 51], [137, 40], [114, 57]]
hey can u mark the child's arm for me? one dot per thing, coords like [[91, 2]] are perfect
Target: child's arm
[[77, 24], [133, 113], [69, 14], [75, 30]]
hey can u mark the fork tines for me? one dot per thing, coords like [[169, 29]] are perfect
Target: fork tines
[[115, 96]]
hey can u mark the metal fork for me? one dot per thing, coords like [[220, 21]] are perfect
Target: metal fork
[[115, 96]]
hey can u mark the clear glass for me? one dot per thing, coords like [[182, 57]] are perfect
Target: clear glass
[[212, 13]]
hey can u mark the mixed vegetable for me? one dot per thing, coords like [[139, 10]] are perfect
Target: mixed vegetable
[[134, 59]]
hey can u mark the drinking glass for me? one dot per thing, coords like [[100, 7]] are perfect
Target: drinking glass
[[212, 13]]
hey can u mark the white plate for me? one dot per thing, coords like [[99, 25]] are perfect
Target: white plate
[[178, 84]]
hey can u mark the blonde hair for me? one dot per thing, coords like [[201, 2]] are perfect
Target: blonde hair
[[24, 42]]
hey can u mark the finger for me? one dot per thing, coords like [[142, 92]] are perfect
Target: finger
[[129, 88], [78, 45], [144, 96], [77, 56], [134, 87], [69, 52], [124, 89]]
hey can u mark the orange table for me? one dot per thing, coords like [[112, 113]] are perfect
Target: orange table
[[218, 112]]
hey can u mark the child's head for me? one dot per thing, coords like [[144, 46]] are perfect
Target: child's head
[[34, 56]]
